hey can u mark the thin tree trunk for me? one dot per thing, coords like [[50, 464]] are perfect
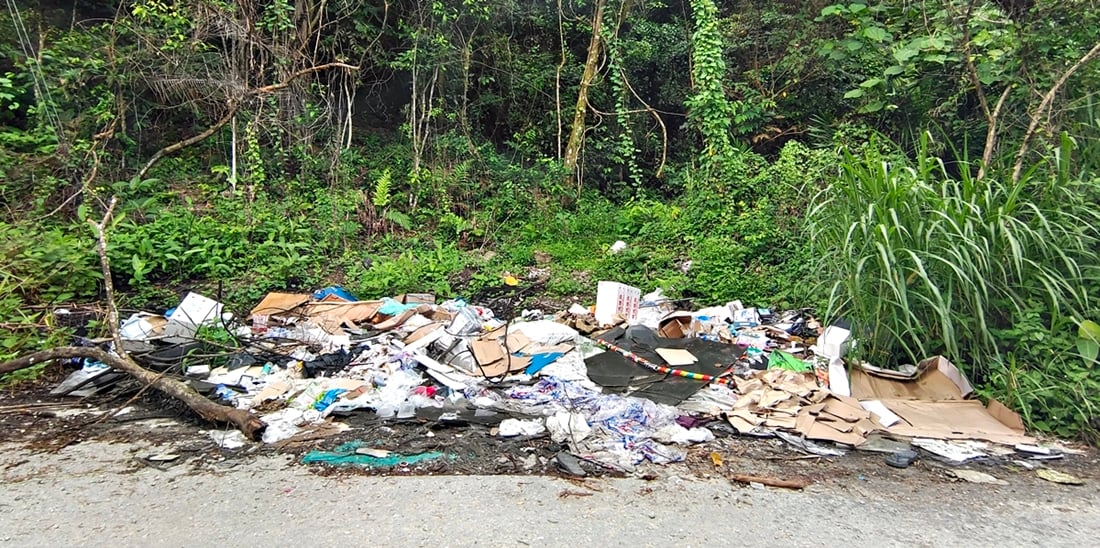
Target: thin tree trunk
[[576, 135]]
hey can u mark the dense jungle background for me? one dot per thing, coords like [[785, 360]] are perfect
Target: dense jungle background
[[925, 170]]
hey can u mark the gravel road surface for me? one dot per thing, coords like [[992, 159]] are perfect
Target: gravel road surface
[[96, 493]]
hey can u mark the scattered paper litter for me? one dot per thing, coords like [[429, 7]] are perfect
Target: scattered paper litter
[[954, 451], [371, 452], [510, 428], [885, 417], [676, 357], [228, 439], [973, 476]]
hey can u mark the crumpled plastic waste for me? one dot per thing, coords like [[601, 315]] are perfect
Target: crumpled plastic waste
[[510, 428]]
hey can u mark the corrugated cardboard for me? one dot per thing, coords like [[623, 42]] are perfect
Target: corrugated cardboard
[[931, 386], [822, 431], [1005, 416], [334, 315], [278, 304], [415, 298], [962, 419], [677, 325]]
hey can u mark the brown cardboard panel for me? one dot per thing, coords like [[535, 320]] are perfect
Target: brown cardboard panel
[[943, 365], [835, 422], [276, 304], [775, 421], [740, 424], [745, 386], [771, 397], [961, 419], [815, 408], [400, 319], [486, 352], [931, 386], [675, 326], [422, 331], [803, 422], [866, 426], [1005, 416], [844, 411], [415, 298], [747, 416], [822, 431], [507, 365], [343, 312]]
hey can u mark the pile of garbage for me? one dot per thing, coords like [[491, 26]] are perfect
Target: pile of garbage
[[628, 380]]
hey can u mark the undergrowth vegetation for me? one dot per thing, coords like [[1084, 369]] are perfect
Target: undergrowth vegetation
[[995, 274], [438, 146]]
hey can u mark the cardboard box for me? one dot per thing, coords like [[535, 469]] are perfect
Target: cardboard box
[[415, 298], [678, 325], [615, 300]]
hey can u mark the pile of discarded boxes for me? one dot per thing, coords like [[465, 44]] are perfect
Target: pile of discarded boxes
[[628, 380]]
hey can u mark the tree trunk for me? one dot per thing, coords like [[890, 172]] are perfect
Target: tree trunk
[[249, 424], [576, 135]]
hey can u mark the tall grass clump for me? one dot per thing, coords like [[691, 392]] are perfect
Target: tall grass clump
[[926, 259]]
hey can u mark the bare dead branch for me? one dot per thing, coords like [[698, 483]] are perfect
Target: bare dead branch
[[1044, 107], [245, 421]]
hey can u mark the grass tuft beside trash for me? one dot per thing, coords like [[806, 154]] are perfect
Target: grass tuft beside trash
[[994, 274]]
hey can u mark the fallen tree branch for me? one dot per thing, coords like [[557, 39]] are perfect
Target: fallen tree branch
[[799, 483], [250, 425], [1044, 106]]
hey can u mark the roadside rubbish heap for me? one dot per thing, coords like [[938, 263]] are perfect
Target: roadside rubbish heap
[[628, 380]]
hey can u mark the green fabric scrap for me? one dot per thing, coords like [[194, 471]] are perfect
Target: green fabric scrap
[[783, 360], [345, 454]]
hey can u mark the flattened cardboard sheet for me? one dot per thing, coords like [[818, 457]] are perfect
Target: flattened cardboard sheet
[[947, 420]]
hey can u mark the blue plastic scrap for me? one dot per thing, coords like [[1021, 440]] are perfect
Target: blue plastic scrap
[[391, 307], [345, 454], [333, 290], [538, 361], [327, 398]]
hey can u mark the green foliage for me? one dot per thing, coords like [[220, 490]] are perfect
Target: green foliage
[[1088, 342], [939, 263], [381, 195], [39, 266], [411, 271], [1040, 377], [708, 107]]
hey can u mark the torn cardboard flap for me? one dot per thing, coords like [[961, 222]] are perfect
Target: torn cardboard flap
[[934, 379], [400, 319], [930, 386], [487, 352], [333, 315], [280, 304], [822, 431], [845, 411], [510, 364], [415, 298]]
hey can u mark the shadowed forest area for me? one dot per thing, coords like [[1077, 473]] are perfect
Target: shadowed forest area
[[928, 171]]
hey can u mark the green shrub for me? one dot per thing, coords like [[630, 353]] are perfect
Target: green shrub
[[928, 260], [41, 266]]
